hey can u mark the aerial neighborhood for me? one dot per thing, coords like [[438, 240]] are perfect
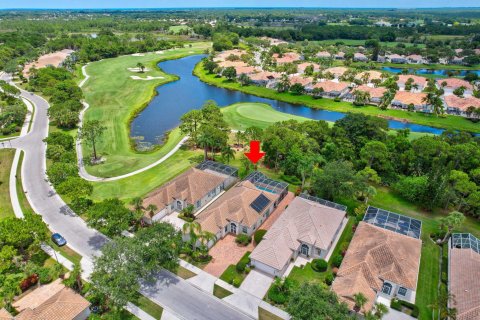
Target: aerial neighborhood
[[239, 163]]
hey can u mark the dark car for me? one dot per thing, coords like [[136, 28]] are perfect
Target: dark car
[[58, 239]]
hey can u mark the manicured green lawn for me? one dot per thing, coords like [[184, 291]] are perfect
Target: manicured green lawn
[[115, 99], [184, 273], [6, 159], [447, 122], [232, 276], [266, 315], [148, 306], [177, 29], [141, 184], [220, 292], [306, 274]]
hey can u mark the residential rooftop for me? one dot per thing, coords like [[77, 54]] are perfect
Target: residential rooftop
[[454, 83], [406, 97]]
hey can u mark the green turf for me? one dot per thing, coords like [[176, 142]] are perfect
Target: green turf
[[115, 99], [177, 29], [266, 315], [6, 160], [447, 122], [352, 42], [220, 292]]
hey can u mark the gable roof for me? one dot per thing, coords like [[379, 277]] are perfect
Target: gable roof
[[303, 221], [302, 66], [337, 71], [375, 255], [372, 74], [403, 78], [461, 103], [287, 57], [302, 80], [374, 92], [406, 97], [331, 86], [464, 282], [455, 83], [52, 301], [190, 186], [264, 76], [234, 205]]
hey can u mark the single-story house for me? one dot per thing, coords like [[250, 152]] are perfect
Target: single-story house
[[235, 64], [404, 99], [464, 275], [372, 75], [360, 57], [415, 59], [337, 71], [245, 70], [288, 57], [52, 301], [421, 82], [222, 56], [302, 66], [456, 60], [196, 187], [376, 94], [450, 84], [304, 81], [324, 55], [395, 58], [381, 59], [457, 105], [458, 51], [244, 207], [309, 227], [331, 89], [273, 41], [382, 260], [340, 55], [264, 78]]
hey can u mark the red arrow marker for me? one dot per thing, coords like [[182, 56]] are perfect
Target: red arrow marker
[[254, 155]]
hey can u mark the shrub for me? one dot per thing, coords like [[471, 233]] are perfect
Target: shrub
[[258, 236], [329, 279], [243, 239], [236, 282], [319, 265], [240, 266], [344, 247], [291, 179], [398, 304], [337, 260], [277, 296], [337, 99]]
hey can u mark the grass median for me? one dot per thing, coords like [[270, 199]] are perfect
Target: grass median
[[6, 160], [115, 98]]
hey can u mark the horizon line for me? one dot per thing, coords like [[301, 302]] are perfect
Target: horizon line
[[234, 7]]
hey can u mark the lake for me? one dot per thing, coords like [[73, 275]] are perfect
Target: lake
[[176, 98], [437, 72]]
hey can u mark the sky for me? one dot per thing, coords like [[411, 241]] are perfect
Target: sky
[[105, 4]]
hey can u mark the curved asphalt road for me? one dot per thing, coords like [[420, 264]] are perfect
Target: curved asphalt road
[[170, 291]]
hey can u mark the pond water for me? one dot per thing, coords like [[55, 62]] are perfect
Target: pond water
[[176, 98], [437, 72]]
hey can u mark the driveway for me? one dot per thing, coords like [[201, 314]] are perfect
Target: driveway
[[224, 253], [257, 283]]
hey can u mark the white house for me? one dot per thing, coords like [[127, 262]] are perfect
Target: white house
[[308, 227]]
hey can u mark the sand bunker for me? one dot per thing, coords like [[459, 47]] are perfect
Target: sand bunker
[[138, 54], [147, 78], [51, 59], [138, 69], [159, 52]]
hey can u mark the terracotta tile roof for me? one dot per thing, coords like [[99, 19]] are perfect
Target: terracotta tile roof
[[245, 69], [302, 80], [359, 55], [264, 76], [372, 75], [233, 205], [337, 71], [375, 255], [286, 58], [374, 92], [273, 41], [395, 56], [303, 220], [403, 78], [415, 57], [340, 54], [477, 51], [52, 302], [302, 66], [457, 51], [464, 269], [190, 186], [406, 98], [222, 56], [454, 83], [461, 103], [226, 64], [5, 315], [331, 86]]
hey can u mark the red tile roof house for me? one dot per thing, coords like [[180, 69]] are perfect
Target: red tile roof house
[[52, 301], [324, 55], [304, 81], [337, 71], [420, 81], [245, 70], [376, 94], [415, 59], [222, 56], [197, 187], [308, 227], [265, 78], [331, 89], [340, 55], [380, 263], [302, 66], [360, 57], [244, 207], [372, 75], [456, 60], [458, 106], [395, 58], [450, 84], [288, 57], [403, 99], [464, 275], [226, 64]]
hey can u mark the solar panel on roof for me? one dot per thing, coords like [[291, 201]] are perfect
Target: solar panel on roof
[[394, 222], [260, 203]]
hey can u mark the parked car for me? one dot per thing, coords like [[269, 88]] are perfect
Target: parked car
[[58, 239]]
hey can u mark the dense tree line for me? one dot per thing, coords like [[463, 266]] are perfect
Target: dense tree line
[[12, 109]]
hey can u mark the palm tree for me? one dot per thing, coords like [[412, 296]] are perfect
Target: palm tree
[[205, 237], [380, 310], [141, 67], [415, 86], [239, 137], [360, 300], [453, 221], [228, 153], [361, 98], [283, 84], [205, 141], [193, 229], [188, 211], [470, 110], [151, 208], [137, 204]]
